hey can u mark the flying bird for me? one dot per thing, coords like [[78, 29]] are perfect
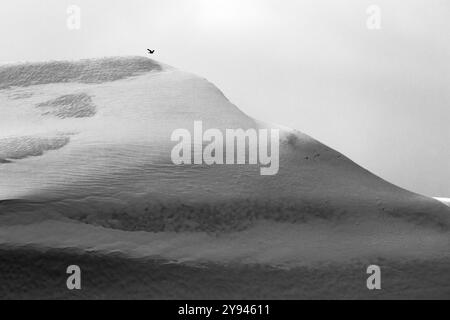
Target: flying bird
[[150, 51]]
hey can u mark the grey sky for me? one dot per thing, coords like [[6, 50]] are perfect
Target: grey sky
[[381, 97]]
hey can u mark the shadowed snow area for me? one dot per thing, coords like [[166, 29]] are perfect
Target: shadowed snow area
[[276, 244], [83, 71], [69, 106]]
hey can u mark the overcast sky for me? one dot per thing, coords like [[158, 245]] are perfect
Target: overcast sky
[[381, 97]]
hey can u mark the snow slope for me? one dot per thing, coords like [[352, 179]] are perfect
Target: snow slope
[[85, 148]]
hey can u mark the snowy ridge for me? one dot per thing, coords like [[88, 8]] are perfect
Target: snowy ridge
[[90, 142]]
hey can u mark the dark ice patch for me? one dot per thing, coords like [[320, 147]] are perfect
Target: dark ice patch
[[69, 106], [84, 71]]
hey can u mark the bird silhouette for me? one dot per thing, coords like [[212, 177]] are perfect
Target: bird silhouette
[[150, 51]]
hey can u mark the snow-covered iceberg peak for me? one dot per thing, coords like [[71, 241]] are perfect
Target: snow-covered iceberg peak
[[91, 140]]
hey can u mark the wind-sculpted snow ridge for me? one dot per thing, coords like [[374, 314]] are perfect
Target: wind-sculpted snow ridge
[[83, 71], [116, 171]]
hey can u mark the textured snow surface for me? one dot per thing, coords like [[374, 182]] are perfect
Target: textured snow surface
[[85, 163]]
